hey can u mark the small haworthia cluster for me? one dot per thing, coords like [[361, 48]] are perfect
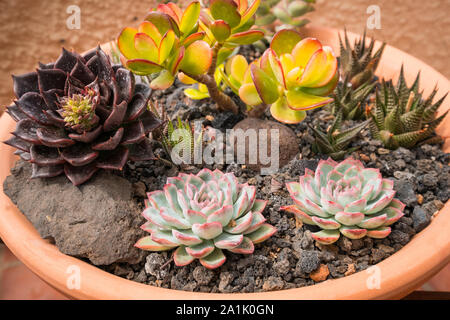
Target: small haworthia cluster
[[202, 214], [345, 198], [335, 141]]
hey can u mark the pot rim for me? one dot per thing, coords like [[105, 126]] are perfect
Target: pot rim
[[400, 274]]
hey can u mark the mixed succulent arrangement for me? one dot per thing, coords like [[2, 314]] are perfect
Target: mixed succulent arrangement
[[202, 214], [83, 113]]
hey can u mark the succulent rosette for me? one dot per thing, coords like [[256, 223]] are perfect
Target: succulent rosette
[[345, 198], [292, 76], [80, 114], [202, 214]]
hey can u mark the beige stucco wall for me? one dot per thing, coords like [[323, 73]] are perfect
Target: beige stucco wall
[[34, 30]]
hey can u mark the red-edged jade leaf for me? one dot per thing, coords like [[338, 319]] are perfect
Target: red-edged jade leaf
[[162, 21], [195, 94], [299, 100], [246, 37], [267, 88], [125, 42], [324, 90], [320, 69], [281, 112], [246, 247], [197, 58], [149, 29], [226, 10], [166, 45], [185, 79], [221, 30], [143, 67], [249, 12], [304, 50], [326, 236], [170, 10], [146, 243], [262, 233], [190, 17], [146, 47], [201, 250], [163, 81], [214, 259], [181, 257], [249, 94], [237, 67], [194, 37], [284, 41]]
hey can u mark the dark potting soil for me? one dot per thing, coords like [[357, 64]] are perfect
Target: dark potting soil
[[290, 258]]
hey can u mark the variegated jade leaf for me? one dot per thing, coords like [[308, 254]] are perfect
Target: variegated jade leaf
[[197, 58], [226, 10]]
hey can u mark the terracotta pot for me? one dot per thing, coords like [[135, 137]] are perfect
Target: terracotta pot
[[406, 270]]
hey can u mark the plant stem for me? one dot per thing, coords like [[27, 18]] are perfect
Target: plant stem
[[257, 111], [223, 101]]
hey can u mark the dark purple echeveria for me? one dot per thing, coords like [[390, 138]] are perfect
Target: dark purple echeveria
[[80, 114]]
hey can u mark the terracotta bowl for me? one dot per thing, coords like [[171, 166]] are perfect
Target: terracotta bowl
[[401, 273]]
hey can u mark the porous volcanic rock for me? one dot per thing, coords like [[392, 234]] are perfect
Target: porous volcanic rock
[[98, 220]]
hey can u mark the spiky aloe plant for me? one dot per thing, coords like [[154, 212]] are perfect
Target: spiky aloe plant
[[401, 117], [80, 114], [202, 214], [335, 142], [358, 64], [345, 198], [351, 102]]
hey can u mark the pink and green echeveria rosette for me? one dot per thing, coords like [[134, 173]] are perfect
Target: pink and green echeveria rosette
[[345, 198], [200, 215]]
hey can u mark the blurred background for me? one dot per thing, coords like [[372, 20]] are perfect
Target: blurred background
[[35, 30]]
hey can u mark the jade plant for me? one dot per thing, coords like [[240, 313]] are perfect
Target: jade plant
[[200, 215], [358, 63], [80, 114], [292, 76], [335, 141], [401, 117], [345, 198], [190, 42]]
